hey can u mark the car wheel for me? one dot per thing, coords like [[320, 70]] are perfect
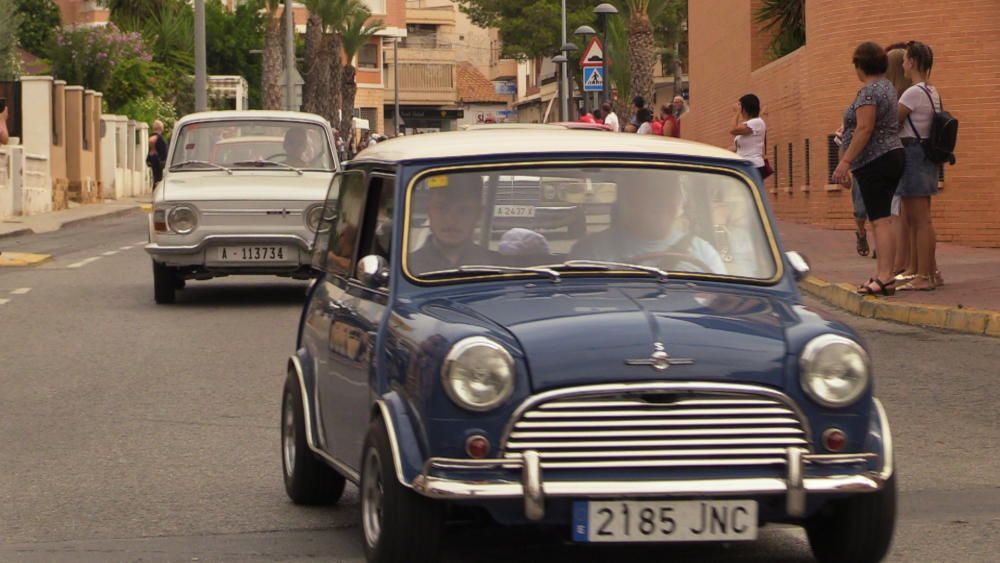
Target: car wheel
[[399, 526], [164, 283], [856, 529], [308, 480]]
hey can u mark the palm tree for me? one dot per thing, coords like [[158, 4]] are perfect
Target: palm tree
[[355, 32], [788, 19], [641, 48], [273, 57], [317, 71]]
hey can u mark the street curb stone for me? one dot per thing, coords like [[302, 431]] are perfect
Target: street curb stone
[[955, 319], [82, 220]]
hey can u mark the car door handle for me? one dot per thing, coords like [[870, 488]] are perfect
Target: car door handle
[[333, 306]]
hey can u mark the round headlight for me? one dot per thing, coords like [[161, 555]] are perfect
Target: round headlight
[[834, 370], [313, 216], [182, 220], [478, 374]]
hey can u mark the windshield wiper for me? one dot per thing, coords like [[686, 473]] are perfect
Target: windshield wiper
[[203, 163], [554, 275], [267, 163], [605, 265]]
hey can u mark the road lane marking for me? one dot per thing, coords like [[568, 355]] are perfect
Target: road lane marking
[[20, 291], [84, 262], [17, 259], [109, 253], [140, 242], [125, 248], [4, 301]]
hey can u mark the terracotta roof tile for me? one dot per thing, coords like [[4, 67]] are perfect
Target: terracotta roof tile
[[474, 87]]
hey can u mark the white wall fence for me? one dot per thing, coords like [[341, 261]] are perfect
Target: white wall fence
[[26, 167]]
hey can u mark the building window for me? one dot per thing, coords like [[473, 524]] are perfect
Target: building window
[[376, 6], [777, 181], [368, 57], [420, 36], [791, 168], [807, 164], [832, 158]]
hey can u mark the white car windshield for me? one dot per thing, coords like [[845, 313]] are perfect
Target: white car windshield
[[652, 220], [250, 143]]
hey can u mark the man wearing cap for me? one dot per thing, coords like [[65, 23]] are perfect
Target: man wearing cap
[[454, 209]]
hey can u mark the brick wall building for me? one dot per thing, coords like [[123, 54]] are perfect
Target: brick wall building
[[805, 93]]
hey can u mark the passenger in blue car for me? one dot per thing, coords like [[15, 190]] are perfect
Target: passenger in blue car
[[646, 229], [454, 209]]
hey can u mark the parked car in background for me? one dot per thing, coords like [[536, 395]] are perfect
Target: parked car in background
[[654, 378], [242, 194]]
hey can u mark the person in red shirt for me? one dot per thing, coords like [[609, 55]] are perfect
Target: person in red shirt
[[587, 118], [671, 125], [657, 124]]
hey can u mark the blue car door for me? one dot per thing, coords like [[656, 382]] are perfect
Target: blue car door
[[357, 311]]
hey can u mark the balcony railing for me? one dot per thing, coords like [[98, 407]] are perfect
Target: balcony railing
[[423, 77]]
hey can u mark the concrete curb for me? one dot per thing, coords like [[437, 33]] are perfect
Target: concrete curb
[[82, 220], [955, 319], [22, 259]]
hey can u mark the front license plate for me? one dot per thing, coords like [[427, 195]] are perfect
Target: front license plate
[[514, 211], [664, 521], [253, 254]]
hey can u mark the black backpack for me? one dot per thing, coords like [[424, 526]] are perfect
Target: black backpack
[[939, 146]]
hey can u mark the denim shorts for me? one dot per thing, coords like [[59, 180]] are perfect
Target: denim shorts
[[920, 176]]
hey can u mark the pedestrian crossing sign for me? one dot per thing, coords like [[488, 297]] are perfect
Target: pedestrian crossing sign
[[593, 79]]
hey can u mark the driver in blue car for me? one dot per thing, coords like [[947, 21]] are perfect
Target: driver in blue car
[[646, 229], [454, 209]]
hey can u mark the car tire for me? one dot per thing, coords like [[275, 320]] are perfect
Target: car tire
[[397, 524], [164, 283], [308, 479], [858, 529]]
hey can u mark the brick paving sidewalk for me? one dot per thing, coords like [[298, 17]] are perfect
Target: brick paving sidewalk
[[971, 275]]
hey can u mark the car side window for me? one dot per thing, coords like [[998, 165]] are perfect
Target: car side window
[[344, 216], [378, 231]]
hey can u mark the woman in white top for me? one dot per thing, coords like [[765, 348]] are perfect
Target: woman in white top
[[750, 131], [920, 176], [644, 117]]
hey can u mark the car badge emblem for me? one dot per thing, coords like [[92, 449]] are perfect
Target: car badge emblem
[[660, 360], [279, 212]]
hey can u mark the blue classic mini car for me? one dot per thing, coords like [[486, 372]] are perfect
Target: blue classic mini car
[[650, 377]]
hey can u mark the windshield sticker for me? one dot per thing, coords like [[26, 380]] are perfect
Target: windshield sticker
[[437, 182]]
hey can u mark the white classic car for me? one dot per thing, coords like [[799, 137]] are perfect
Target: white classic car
[[242, 193]]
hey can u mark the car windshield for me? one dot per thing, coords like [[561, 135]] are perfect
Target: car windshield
[[647, 221], [252, 143]]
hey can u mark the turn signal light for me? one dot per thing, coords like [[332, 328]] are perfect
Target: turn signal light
[[834, 439], [160, 220], [477, 447]]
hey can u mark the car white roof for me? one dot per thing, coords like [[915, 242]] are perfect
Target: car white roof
[[252, 114], [536, 142]]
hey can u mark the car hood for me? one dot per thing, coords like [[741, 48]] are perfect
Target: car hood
[[219, 186], [585, 335]]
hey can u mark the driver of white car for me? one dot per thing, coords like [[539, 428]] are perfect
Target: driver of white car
[[647, 229], [295, 145]]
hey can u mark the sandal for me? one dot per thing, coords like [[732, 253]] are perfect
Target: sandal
[[862, 246], [886, 289], [901, 277], [938, 280], [866, 284], [911, 285]]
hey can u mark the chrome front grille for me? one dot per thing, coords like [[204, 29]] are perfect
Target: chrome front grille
[[660, 430]]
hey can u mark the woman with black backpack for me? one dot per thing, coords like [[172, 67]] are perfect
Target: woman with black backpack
[[917, 107]]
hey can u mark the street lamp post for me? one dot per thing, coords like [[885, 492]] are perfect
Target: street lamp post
[[603, 11], [563, 102], [289, 56], [563, 106], [586, 32], [566, 50], [200, 72]]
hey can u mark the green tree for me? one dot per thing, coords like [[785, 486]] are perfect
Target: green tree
[[316, 77], [132, 10], [273, 57], [10, 60], [529, 28], [167, 31], [231, 38], [355, 31], [39, 21], [787, 18]]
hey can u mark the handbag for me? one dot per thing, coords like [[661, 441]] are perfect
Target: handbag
[[766, 171]]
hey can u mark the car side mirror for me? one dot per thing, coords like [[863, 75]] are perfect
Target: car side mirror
[[373, 271], [799, 264]]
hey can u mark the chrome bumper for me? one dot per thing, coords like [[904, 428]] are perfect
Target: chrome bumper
[[216, 240], [534, 489]]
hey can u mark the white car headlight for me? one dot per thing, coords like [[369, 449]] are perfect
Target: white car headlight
[[313, 215], [478, 374], [834, 370], [182, 220]]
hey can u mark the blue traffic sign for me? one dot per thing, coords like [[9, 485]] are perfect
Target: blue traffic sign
[[593, 79]]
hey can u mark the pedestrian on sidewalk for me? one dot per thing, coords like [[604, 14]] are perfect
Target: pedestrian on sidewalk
[[919, 182], [4, 134], [671, 123], [644, 118], [905, 263], [874, 155], [157, 157], [638, 103], [610, 117], [750, 131]]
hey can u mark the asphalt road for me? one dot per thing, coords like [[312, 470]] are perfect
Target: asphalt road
[[135, 432]]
